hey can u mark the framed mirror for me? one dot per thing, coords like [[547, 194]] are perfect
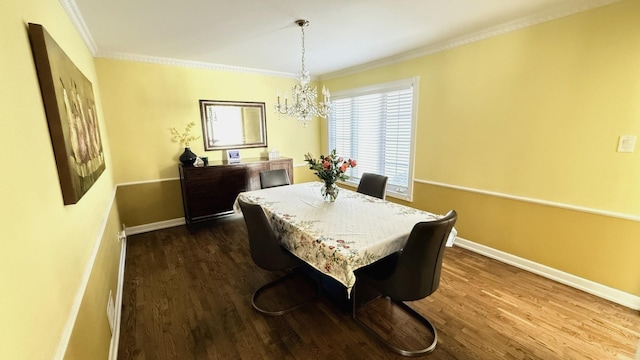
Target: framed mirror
[[233, 124]]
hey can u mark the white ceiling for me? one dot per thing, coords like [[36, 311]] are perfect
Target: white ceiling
[[262, 34]]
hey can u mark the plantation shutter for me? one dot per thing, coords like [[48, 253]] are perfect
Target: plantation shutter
[[374, 126]]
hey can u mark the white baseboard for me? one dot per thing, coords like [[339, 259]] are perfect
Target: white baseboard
[[169, 223], [115, 337], [591, 287], [154, 226]]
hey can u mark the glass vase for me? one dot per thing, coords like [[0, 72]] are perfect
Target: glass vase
[[329, 192]]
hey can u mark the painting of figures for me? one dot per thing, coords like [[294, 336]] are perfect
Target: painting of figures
[[71, 116]]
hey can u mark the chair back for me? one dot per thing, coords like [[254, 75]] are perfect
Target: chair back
[[265, 249], [373, 185], [273, 178], [417, 273]]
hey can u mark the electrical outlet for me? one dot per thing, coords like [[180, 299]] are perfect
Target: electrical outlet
[[122, 234], [111, 312]]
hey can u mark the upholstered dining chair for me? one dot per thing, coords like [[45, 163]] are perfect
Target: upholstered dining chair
[[268, 254], [273, 178], [410, 274], [373, 185]]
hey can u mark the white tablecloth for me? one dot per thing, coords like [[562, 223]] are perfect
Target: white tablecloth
[[337, 238]]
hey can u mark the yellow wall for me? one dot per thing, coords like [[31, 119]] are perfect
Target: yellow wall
[[91, 335], [143, 100], [148, 203], [45, 247], [594, 247], [535, 113], [157, 201]]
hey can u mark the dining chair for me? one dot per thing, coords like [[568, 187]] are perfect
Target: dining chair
[[408, 275], [273, 178], [373, 185], [268, 254]]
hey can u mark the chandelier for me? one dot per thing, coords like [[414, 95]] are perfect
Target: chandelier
[[303, 96]]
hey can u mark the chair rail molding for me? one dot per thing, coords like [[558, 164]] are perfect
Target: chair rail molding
[[584, 209]]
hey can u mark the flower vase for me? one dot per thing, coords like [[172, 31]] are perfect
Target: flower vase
[[187, 158], [329, 192]]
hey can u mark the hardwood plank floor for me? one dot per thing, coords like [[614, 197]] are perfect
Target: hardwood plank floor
[[188, 296]]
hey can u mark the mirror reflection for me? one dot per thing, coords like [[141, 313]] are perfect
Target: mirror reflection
[[233, 124]]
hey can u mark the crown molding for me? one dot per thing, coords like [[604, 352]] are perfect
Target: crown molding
[[472, 37], [71, 8], [76, 18], [190, 64]]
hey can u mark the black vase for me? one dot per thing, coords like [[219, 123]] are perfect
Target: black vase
[[187, 158]]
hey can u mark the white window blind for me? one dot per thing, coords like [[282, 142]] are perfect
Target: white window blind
[[375, 126]]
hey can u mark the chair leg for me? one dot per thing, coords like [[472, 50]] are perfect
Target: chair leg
[[270, 285], [424, 321]]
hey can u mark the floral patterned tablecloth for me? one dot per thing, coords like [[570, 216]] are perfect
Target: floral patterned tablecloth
[[340, 237]]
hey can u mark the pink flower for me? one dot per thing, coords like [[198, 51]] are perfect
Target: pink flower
[[330, 168]]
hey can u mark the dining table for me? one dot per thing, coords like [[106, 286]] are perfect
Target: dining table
[[337, 238]]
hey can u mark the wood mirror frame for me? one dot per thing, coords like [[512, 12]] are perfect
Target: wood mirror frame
[[233, 124]]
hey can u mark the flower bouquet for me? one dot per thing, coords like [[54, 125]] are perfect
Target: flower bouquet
[[185, 139], [329, 169]]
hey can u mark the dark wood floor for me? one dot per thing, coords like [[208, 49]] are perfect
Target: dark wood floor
[[187, 296]]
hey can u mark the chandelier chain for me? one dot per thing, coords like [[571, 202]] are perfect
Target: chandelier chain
[[304, 98], [303, 49]]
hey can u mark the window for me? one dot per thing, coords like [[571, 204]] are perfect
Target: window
[[376, 125]]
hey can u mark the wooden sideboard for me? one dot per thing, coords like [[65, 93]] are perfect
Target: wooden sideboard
[[209, 192]]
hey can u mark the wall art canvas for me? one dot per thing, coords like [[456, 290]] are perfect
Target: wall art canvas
[[71, 115]]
